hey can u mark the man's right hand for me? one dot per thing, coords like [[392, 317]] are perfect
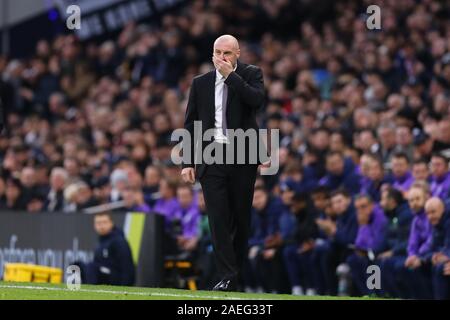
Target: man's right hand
[[188, 175]]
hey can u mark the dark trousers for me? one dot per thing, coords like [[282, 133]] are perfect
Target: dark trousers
[[392, 276], [299, 266], [228, 191], [441, 283], [325, 258], [358, 268], [265, 273], [418, 282]]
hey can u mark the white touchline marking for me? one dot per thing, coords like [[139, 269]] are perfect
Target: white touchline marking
[[126, 292]]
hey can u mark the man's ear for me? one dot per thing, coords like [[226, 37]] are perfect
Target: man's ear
[[238, 53]]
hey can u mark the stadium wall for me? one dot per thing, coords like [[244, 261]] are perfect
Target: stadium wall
[[57, 240]]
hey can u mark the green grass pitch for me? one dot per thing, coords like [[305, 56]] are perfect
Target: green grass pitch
[[34, 291]]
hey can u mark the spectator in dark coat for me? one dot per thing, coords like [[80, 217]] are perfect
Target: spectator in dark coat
[[334, 250], [376, 178], [439, 255], [392, 256], [14, 199], [340, 174]]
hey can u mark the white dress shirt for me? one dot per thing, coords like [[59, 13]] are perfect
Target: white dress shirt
[[218, 134]]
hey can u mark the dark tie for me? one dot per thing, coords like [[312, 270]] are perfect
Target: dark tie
[[224, 109]]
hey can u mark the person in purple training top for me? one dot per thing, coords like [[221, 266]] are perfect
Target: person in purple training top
[[416, 278], [401, 175], [371, 227], [167, 205], [134, 200], [184, 227], [440, 176]]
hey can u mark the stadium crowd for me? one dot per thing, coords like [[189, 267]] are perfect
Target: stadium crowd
[[364, 119]]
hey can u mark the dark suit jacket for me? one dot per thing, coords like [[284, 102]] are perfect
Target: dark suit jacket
[[245, 96]]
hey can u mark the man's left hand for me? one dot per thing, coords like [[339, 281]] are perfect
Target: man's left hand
[[224, 67]]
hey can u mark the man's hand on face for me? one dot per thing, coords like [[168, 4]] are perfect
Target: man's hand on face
[[224, 67], [188, 175]]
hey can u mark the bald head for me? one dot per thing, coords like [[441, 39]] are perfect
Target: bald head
[[226, 47], [434, 209], [227, 39]]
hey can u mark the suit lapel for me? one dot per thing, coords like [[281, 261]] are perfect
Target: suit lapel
[[211, 99]]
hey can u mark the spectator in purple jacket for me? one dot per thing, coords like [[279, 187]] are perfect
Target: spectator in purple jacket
[[134, 200], [371, 228], [440, 176], [420, 170], [417, 278], [167, 205], [402, 177], [184, 227]]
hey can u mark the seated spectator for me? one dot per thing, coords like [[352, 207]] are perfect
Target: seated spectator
[[151, 184], [301, 179], [183, 237], [264, 256], [35, 204], [299, 232], [119, 181], [340, 174], [320, 198], [440, 176], [13, 196], [113, 262], [420, 171], [334, 250], [167, 204], [70, 198], [417, 278], [55, 197], [371, 228], [439, 255], [392, 256], [376, 178], [134, 200], [401, 176], [85, 197], [30, 189]]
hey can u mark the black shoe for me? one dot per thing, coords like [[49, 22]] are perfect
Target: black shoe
[[225, 285]]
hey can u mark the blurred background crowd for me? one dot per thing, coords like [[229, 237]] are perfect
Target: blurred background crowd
[[364, 120]]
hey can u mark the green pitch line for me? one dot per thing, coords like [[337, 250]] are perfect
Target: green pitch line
[[33, 291]]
